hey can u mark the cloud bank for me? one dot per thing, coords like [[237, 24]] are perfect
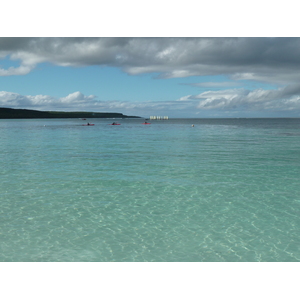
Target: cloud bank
[[79, 102], [207, 104], [283, 99], [274, 60]]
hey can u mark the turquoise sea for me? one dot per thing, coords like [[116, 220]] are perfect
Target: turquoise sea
[[225, 190]]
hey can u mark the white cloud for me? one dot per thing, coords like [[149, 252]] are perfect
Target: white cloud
[[257, 100], [22, 70], [44, 102], [185, 98], [76, 98]]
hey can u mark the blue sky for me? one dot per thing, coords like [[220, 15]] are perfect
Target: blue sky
[[178, 77]]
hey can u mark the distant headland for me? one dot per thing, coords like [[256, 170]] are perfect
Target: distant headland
[[11, 113]]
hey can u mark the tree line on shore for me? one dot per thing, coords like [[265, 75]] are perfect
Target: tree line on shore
[[11, 113]]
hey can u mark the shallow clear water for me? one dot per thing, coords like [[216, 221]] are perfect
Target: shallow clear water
[[223, 190]]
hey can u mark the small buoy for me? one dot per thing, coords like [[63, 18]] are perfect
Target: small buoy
[[193, 125]]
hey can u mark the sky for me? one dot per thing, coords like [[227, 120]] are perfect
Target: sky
[[201, 76], [175, 77]]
